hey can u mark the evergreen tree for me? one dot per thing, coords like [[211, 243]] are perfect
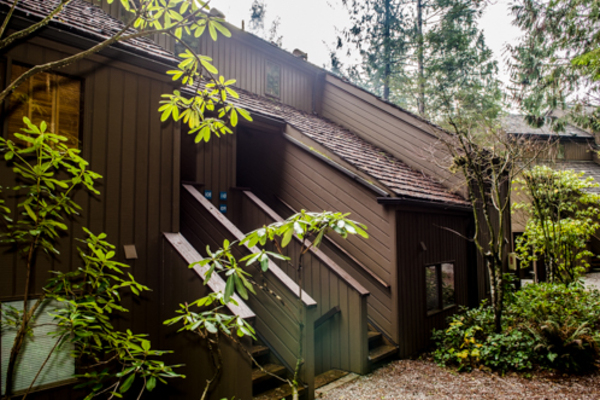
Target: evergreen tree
[[379, 33], [460, 73], [555, 67], [256, 25], [427, 56]]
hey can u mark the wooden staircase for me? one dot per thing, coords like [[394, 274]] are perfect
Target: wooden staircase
[[381, 349], [265, 384]]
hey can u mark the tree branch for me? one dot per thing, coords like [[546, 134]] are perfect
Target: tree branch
[[8, 17], [30, 29]]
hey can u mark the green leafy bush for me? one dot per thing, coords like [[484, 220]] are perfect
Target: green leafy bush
[[565, 322], [546, 325]]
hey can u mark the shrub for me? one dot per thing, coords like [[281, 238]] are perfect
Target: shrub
[[565, 322], [546, 325]]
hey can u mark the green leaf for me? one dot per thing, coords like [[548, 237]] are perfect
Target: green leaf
[[224, 31], [240, 287], [151, 384], [264, 264], [30, 212], [212, 31], [127, 384], [287, 237], [229, 287]]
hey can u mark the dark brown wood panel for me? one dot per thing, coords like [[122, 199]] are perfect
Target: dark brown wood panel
[[274, 168], [180, 284], [124, 140], [202, 225], [338, 343], [438, 245], [578, 151]]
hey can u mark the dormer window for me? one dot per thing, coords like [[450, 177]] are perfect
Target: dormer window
[[273, 80]]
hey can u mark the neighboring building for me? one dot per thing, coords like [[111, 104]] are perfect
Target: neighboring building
[[572, 149], [317, 143]]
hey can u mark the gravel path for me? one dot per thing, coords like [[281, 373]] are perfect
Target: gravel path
[[418, 379], [592, 279]]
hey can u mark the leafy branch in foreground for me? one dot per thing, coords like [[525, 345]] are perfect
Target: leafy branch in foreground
[[205, 91], [309, 228], [49, 172]]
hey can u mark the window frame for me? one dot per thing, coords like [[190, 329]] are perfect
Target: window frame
[[267, 94], [64, 352], [438, 280], [8, 76]]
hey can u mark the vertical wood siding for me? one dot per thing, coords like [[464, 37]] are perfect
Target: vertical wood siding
[[578, 151], [441, 245], [211, 164], [179, 284], [202, 225], [138, 156], [243, 57], [274, 168], [341, 342], [387, 127]]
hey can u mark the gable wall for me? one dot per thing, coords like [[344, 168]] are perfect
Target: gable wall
[[124, 140], [275, 169], [407, 138], [243, 57]]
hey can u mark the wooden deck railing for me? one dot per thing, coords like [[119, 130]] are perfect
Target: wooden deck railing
[[341, 340], [181, 284], [277, 309]]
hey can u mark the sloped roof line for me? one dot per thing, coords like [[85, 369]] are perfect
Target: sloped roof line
[[92, 21], [367, 158], [516, 125]]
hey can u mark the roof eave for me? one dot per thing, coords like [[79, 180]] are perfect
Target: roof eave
[[405, 201]]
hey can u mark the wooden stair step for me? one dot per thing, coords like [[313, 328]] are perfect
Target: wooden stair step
[[259, 376], [259, 350], [328, 377], [381, 352], [374, 335], [282, 392]]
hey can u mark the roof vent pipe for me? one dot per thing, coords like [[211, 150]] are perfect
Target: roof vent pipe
[[300, 54], [216, 13]]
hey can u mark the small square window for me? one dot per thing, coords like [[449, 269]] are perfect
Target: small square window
[[49, 97], [273, 80], [60, 366], [439, 286]]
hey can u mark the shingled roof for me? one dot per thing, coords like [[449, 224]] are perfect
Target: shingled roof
[[393, 173], [91, 21], [516, 125]]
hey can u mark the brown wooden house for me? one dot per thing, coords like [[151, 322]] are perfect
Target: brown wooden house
[[316, 143]]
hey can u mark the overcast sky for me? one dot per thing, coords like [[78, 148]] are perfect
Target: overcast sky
[[310, 25]]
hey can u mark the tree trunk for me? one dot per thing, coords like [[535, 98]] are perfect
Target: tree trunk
[[387, 67], [420, 67]]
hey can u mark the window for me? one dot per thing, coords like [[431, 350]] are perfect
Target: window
[[439, 286], [190, 40], [561, 151], [273, 79], [48, 97], [60, 366]]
